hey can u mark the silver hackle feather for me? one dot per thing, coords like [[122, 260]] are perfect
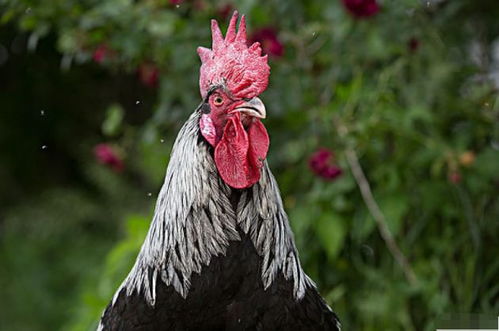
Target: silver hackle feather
[[181, 238]]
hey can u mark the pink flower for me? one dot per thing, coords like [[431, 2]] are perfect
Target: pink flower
[[105, 154], [267, 37], [148, 74], [361, 8], [176, 2], [101, 53], [322, 164]]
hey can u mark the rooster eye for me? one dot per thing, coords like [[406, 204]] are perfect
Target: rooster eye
[[218, 101]]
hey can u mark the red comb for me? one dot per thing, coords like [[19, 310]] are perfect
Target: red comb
[[230, 62]]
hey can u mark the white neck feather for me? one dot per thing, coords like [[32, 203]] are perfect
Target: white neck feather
[[194, 221]]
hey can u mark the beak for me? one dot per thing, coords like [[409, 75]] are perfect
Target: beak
[[254, 107]]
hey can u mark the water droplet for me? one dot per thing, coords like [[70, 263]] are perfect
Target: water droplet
[[42, 112], [137, 102], [162, 140], [44, 147], [177, 6], [149, 194]]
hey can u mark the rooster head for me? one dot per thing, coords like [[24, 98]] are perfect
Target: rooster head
[[232, 75]]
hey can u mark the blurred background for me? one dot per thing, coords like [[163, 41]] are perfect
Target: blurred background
[[398, 98]]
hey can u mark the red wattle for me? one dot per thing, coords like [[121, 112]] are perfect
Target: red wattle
[[239, 155]]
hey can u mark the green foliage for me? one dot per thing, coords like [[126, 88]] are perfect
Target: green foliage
[[118, 263], [114, 118], [53, 245], [402, 89]]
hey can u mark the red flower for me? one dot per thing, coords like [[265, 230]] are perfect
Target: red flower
[[101, 53], [413, 44], [267, 37], [176, 2], [106, 155], [148, 74], [361, 8], [322, 164]]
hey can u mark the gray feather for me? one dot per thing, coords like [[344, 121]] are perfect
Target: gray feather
[[194, 220]]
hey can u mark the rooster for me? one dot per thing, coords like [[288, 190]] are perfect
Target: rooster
[[220, 254]]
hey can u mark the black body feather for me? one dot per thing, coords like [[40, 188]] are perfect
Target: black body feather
[[227, 295]]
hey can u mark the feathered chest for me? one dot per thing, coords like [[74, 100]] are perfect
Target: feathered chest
[[197, 216], [227, 294]]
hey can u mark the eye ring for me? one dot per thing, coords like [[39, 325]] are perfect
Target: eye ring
[[218, 101]]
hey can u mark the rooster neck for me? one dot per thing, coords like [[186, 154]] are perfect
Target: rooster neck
[[197, 217]]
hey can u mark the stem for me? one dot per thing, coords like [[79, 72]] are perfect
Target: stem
[[375, 211]]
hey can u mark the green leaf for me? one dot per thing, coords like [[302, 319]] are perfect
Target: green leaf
[[113, 121], [162, 25], [486, 164], [7, 16], [331, 230]]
